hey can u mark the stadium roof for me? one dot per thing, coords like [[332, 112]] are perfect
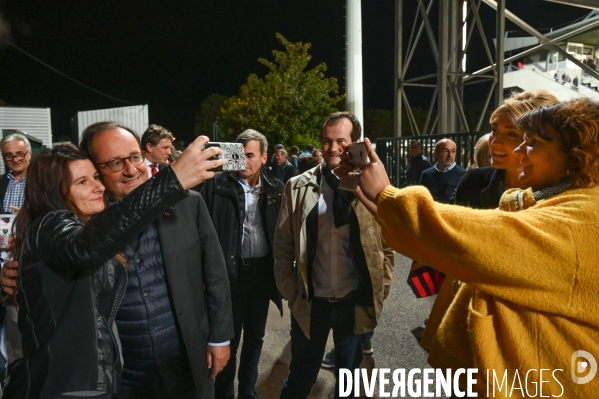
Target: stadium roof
[[592, 4]]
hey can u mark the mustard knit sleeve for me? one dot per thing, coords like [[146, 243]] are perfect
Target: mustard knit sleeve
[[528, 257]]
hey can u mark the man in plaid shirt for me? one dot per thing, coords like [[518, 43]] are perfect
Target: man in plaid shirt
[[16, 152]]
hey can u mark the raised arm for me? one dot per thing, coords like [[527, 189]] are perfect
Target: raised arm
[[65, 243]]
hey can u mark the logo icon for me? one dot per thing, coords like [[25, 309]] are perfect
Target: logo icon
[[578, 366]]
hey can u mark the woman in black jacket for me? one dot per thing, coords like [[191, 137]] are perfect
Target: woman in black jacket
[[72, 278]]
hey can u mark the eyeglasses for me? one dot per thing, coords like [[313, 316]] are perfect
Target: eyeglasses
[[18, 156], [118, 164]]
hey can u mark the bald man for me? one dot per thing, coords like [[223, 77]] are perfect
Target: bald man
[[443, 178]]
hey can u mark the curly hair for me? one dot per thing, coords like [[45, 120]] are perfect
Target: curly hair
[[519, 103], [576, 123]]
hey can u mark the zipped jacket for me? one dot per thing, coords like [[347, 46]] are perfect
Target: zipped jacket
[[225, 200]]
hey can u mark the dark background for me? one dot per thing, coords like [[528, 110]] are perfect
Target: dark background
[[172, 55]]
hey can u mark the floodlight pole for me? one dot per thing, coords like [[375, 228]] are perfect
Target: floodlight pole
[[354, 102]]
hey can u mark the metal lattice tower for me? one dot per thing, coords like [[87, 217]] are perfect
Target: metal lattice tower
[[458, 20]]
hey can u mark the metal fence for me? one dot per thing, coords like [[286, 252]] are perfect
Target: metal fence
[[395, 151]]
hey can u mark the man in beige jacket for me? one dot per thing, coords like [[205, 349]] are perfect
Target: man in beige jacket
[[331, 263]]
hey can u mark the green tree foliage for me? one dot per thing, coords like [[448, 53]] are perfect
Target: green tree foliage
[[209, 111], [288, 104]]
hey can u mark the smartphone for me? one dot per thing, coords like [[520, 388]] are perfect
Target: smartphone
[[233, 154], [358, 153]]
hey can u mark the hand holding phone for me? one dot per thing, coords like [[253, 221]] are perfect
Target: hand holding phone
[[233, 154], [358, 157]]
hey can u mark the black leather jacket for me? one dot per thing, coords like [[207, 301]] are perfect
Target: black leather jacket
[[481, 188], [69, 289], [225, 199]]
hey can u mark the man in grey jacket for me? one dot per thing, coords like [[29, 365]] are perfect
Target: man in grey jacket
[[175, 321]]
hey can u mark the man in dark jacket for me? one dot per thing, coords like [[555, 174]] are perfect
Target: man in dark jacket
[[418, 164], [175, 319], [286, 170], [244, 208], [442, 179]]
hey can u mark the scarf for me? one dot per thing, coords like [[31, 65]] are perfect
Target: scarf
[[517, 199], [341, 200]]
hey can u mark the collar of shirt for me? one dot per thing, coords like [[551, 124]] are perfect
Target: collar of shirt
[[253, 239], [11, 176], [446, 170], [246, 187], [323, 165], [148, 167]]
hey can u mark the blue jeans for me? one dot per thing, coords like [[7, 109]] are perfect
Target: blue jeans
[[250, 311], [306, 354]]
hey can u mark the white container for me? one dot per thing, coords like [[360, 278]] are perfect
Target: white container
[[134, 117]]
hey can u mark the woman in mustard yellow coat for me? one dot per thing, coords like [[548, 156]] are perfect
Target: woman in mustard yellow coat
[[531, 290]]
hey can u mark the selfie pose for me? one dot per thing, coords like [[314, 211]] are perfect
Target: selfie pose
[[531, 277], [72, 278]]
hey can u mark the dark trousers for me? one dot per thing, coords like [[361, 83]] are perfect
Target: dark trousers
[[206, 392], [250, 310], [306, 354]]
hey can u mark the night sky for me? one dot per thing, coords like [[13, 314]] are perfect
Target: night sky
[[172, 55]]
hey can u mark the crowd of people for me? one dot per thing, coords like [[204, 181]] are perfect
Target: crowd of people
[[136, 275], [285, 165]]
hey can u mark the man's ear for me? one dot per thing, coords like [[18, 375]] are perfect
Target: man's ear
[[146, 149]]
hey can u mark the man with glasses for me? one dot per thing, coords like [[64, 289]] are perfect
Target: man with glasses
[[244, 207], [16, 152], [175, 319]]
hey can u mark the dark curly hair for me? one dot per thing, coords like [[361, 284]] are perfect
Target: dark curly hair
[[577, 125]]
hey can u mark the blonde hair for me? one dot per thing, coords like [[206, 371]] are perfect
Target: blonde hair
[[519, 103], [481, 151]]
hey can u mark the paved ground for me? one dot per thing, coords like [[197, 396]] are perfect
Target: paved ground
[[394, 346]]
